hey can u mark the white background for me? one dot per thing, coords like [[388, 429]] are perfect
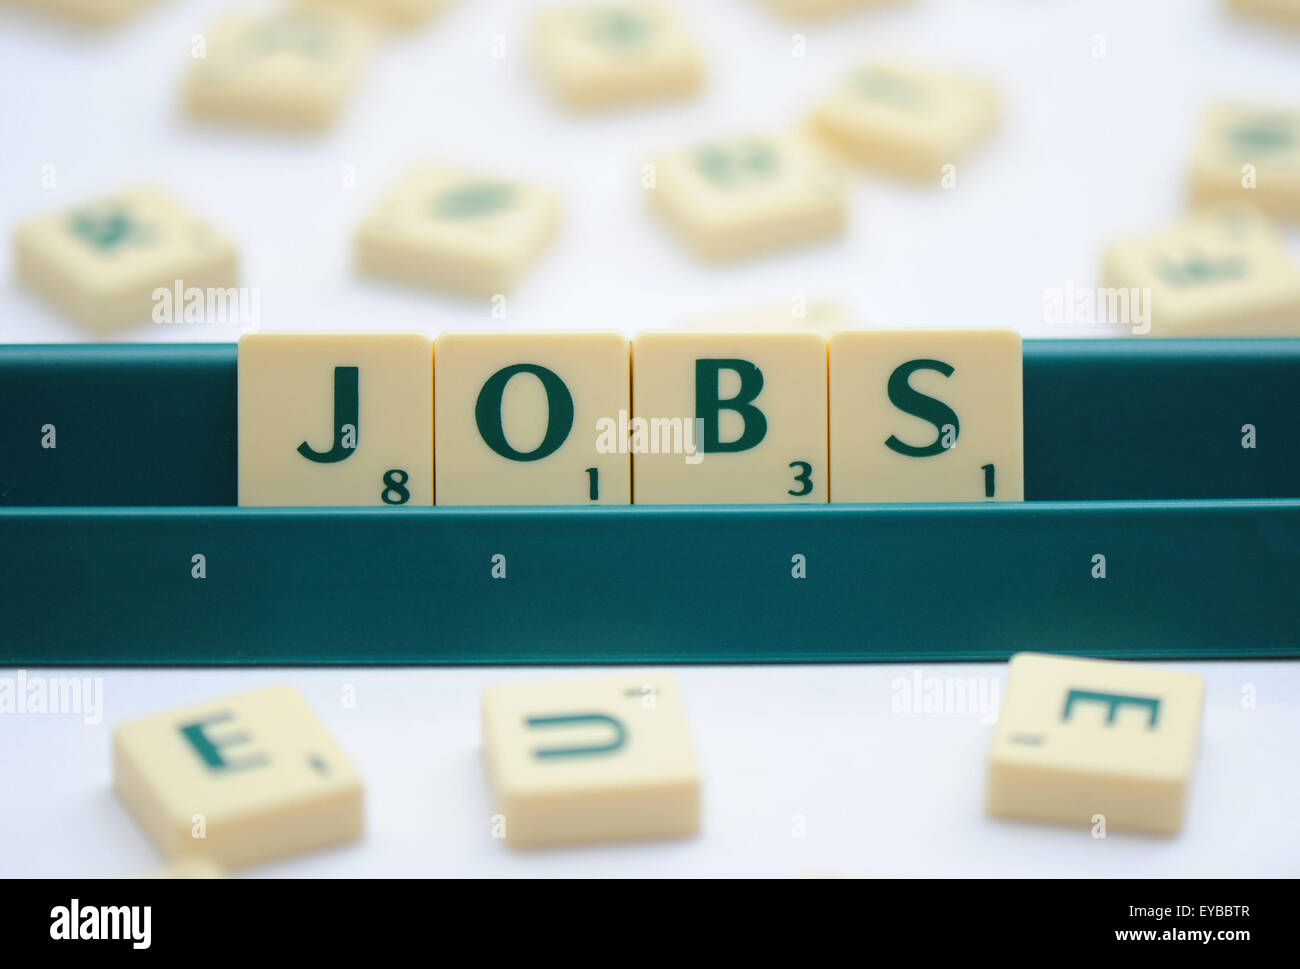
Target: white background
[[1092, 150]]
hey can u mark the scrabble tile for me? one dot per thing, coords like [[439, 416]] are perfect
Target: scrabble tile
[[729, 418], [96, 13], [336, 419], [905, 120], [1285, 13], [293, 67], [237, 781], [1078, 738], [517, 419], [808, 317], [738, 197], [1224, 272], [397, 12], [469, 233], [1249, 156], [190, 866], [926, 415], [606, 759], [596, 56], [821, 8], [102, 261]]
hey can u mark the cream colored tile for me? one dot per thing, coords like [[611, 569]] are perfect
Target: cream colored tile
[[926, 415], [611, 53], [336, 419], [294, 66], [799, 316], [103, 262], [1284, 13], [1249, 155], [908, 120], [606, 759], [822, 8], [1078, 740], [96, 13], [403, 13], [189, 866], [737, 197], [729, 417], [456, 230], [518, 416], [1223, 273], [237, 781]]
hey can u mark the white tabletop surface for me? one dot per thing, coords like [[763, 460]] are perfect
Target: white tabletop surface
[[1092, 149]]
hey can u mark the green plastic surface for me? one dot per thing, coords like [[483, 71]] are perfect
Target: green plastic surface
[[650, 584]]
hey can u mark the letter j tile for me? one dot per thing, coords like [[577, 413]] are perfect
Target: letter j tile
[[335, 419]]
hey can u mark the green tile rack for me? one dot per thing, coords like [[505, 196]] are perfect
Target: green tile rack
[[1132, 452]]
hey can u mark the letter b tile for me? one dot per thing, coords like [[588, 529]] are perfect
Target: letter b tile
[[335, 419], [728, 418]]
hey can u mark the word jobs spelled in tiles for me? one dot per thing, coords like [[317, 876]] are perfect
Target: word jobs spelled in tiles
[[238, 781], [608, 54], [926, 415], [531, 419], [293, 67], [335, 419], [1080, 738], [741, 196], [456, 230], [728, 417], [106, 263], [591, 760], [1221, 272]]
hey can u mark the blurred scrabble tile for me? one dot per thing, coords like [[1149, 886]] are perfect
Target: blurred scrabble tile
[[907, 121], [292, 67], [606, 759], [517, 417], [397, 12], [743, 196], [596, 56], [1224, 272], [191, 866], [102, 262], [461, 231], [926, 415], [821, 8], [96, 13], [1078, 738], [729, 418], [237, 781], [1249, 156], [1285, 13], [335, 419], [799, 316]]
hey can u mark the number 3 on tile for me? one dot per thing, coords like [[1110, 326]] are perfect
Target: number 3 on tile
[[803, 479]]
